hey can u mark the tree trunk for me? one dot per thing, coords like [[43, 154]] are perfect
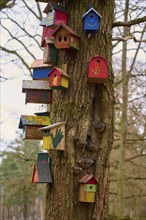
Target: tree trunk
[[123, 130], [79, 106]]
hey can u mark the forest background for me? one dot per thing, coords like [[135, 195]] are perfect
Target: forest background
[[20, 45]]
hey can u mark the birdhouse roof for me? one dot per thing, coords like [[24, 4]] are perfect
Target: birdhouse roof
[[43, 172], [33, 120], [42, 113], [54, 6], [88, 178], [62, 72], [91, 9], [35, 85], [39, 63], [68, 29], [52, 126], [48, 40]]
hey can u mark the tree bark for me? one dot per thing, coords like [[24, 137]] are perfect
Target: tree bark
[[79, 106]]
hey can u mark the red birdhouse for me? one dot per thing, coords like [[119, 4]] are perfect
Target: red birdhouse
[[97, 71], [58, 79]]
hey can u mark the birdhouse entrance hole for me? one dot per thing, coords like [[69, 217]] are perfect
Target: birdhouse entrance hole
[[98, 61]]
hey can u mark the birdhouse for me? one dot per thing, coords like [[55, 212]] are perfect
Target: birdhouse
[[40, 70], [37, 91], [97, 70], [66, 38], [91, 20], [56, 14], [54, 136], [87, 188], [58, 79], [50, 51], [42, 170], [47, 31], [30, 125]]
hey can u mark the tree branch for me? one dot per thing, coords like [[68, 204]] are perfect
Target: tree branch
[[128, 38], [129, 23]]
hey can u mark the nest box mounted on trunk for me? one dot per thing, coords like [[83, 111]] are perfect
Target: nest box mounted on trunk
[[50, 51], [30, 125], [40, 70], [97, 70], [54, 136], [56, 14], [37, 91], [42, 170], [66, 38], [91, 20], [87, 188], [58, 79]]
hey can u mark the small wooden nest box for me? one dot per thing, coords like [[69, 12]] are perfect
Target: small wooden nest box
[[37, 91], [97, 70], [66, 38], [30, 125], [56, 14], [50, 51], [58, 79], [87, 188], [42, 170], [47, 31], [54, 136], [91, 20], [40, 69]]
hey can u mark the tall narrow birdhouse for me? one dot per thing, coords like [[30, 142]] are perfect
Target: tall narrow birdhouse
[[40, 70], [30, 125], [54, 136], [87, 188], [50, 51], [42, 170], [37, 91], [97, 70], [66, 38], [58, 79], [56, 14], [91, 20]]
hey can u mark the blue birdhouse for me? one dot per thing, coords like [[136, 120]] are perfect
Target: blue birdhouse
[[91, 20]]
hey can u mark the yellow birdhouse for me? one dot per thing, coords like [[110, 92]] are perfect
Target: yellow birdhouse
[[87, 188], [54, 136]]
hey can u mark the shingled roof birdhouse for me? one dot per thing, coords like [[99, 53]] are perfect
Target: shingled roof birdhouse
[[50, 51], [91, 20], [42, 170], [58, 79], [41, 69], [54, 136], [87, 188], [37, 91], [66, 38], [30, 125], [97, 70], [56, 14]]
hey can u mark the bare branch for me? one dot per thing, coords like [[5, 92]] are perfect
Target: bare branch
[[128, 38], [129, 23]]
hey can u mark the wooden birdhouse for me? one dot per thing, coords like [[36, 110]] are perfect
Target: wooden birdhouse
[[50, 51], [91, 20], [56, 14], [40, 70], [97, 71], [30, 125], [47, 31], [58, 79], [66, 38], [87, 188], [37, 91], [54, 136], [42, 170]]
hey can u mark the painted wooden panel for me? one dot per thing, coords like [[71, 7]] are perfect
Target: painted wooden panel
[[90, 197], [47, 32], [38, 64], [55, 140], [50, 54], [97, 71], [36, 96], [41, 73], [86, 196], [50, 18], [90, 188], [60, 18], [33, 133], [35, 84]]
